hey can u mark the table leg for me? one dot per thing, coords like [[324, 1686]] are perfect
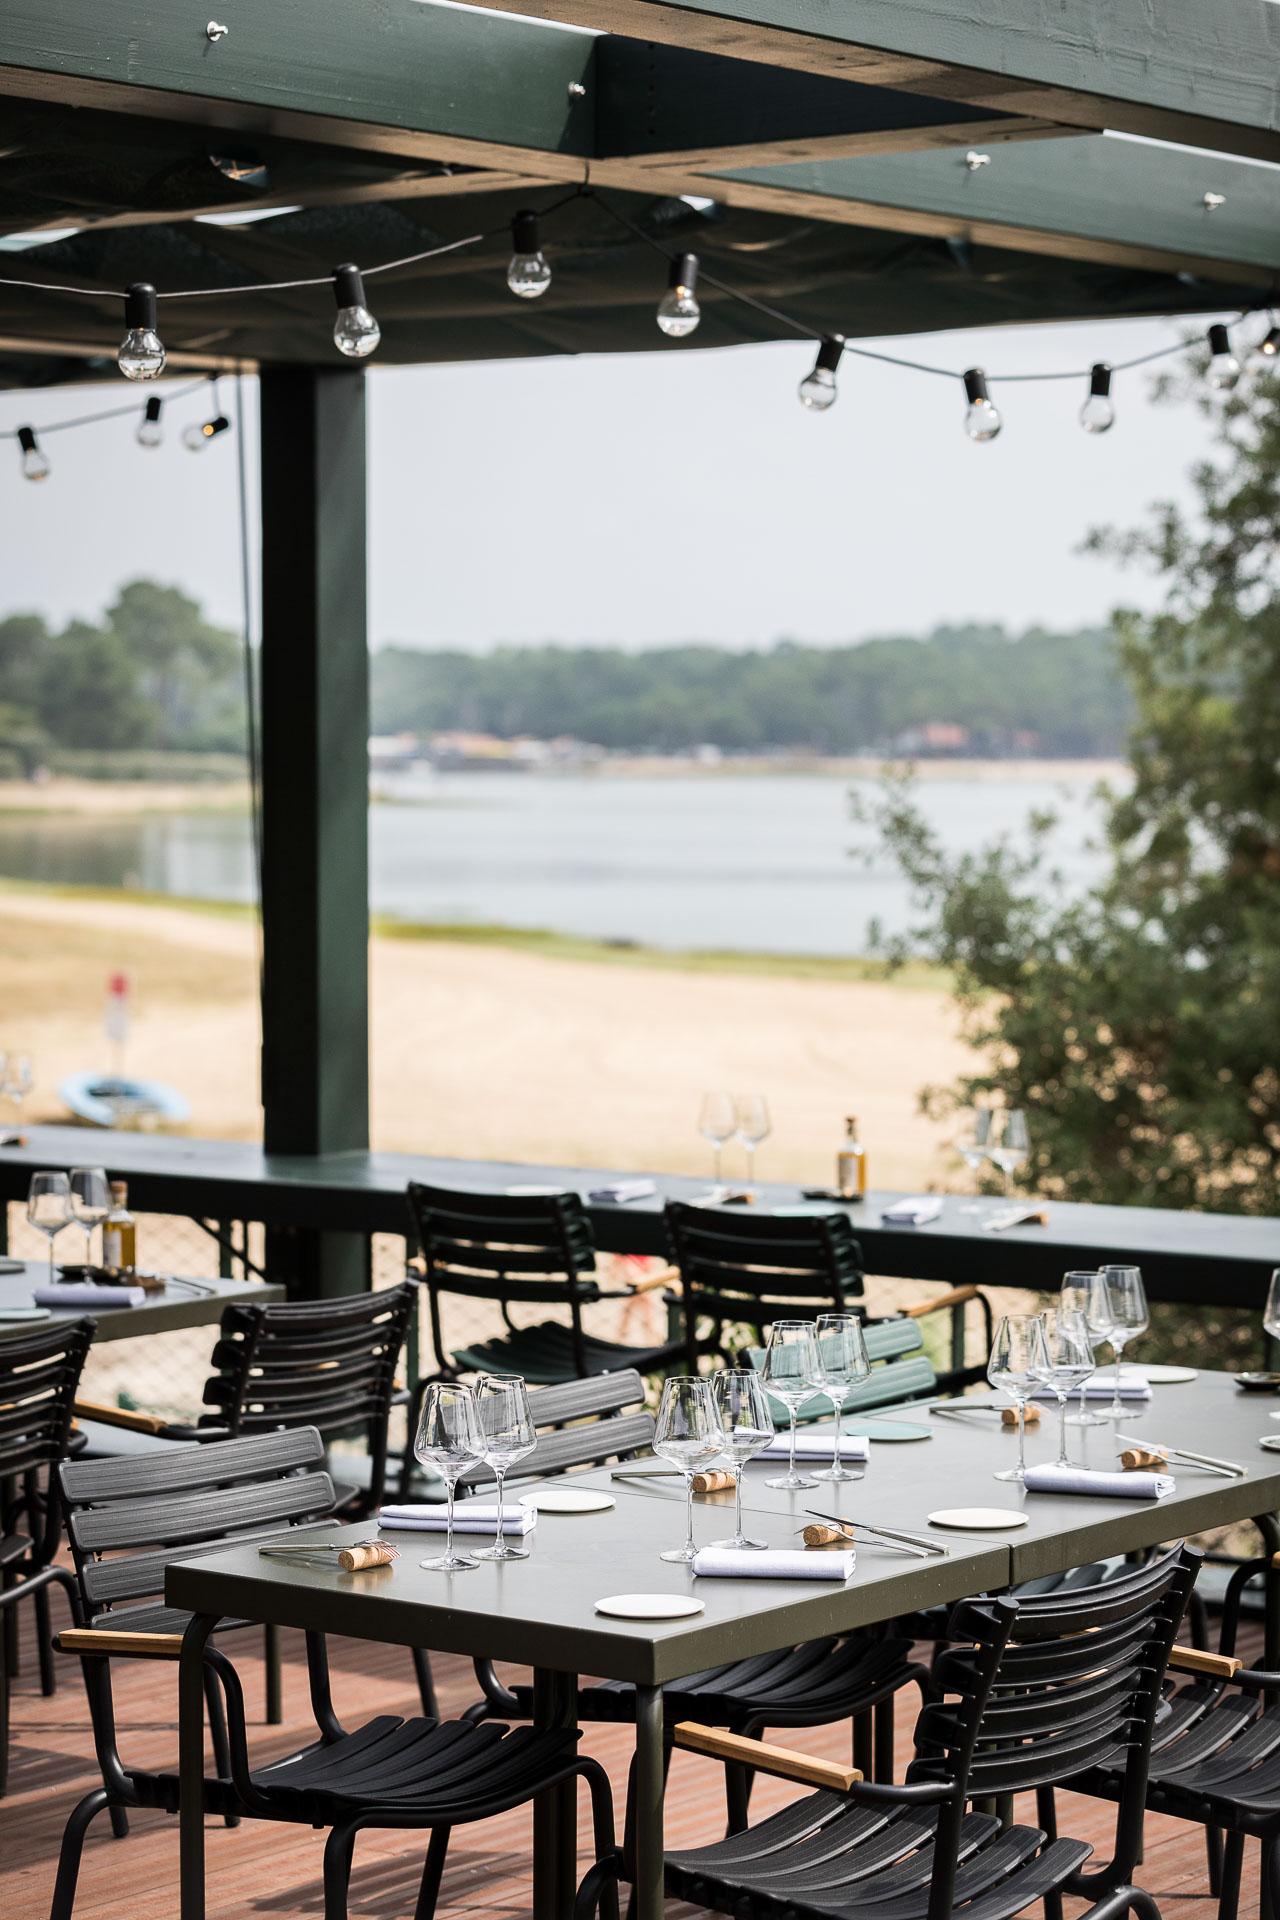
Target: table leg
[[1269, 1528], [650, 1787], [555, 1815], [191, 1764]]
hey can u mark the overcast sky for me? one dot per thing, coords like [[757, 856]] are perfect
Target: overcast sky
[[654, 498]]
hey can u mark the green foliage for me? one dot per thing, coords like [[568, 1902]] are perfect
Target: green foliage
[[831, 700]]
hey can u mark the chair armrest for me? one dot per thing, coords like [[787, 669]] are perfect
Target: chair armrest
[[954, 1297], [103, 1640], [650, 1282], [783, 1762], [120, 1417], [1220, 1666]]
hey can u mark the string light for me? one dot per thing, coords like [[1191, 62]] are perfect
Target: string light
[[198, 435], [141, 355], [1269, 345], [1224, 368], [355, 331], [981, 419], [35, 463], [150, 433], [528, 274], [1097, 415], [678, 309], [818, 390]]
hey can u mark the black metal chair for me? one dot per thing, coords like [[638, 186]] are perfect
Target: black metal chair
[[850, 1677], [520, 1250], [1029, 1692], [39, 1372], [128, 1520]]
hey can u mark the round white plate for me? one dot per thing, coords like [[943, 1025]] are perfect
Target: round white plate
[[1271, 1441], [530, 1193], [1169, 1376], [568, 1500], [649, 1606], [977, 1517]]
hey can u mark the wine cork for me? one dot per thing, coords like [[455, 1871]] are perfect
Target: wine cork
[[818, 1536], [375, 1553], [713, 1481], [1141, 1459], [1009, 1415]]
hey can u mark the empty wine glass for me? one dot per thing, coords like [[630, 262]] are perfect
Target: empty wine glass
[[742, 1411], [1069, 1363], [19, 1078], [1127, 1300], [1271, 1312], [49, 1208], [717, 1122], [973, 1144], [841, 1355], [1086, 1293], [1018, 1360], [1013, 1149], [687, 1434], [449, 1439], [790, 1362], [508, 1433], [90, 1203], [753, 1126]]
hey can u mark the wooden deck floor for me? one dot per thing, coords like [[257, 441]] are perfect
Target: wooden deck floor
[[269, 1872]]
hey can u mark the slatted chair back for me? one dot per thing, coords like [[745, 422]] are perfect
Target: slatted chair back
[[39, 1374], [328, 1364], [900, 1370], [511, 1249], [129, 1518], [748, 1270], [582, 1423], [1038, 1690]]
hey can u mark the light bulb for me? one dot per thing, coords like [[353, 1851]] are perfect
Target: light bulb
[[1268, 348], [528, 274], [34, 464], [678, 309], [200, 432], [141, 355], [981, 420], [355, 331], [818, 390], [1097, 415], [1224, 368], [150, 433]]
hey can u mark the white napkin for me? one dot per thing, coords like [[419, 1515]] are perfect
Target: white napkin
[[623, 1190], [912, 1213], [83, 1293], [775, 1563], [1101, 1386], [468, 1519], [817, 1444], [1116, 1486]]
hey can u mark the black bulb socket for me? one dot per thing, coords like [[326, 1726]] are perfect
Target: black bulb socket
[[153, 409], [829, 354], [684, 271], [975, 386], [1100, 379], [1270, 345], [218, 424], [1219, 338], [348, 286], [140, 307], [27, 439], [524, 232]]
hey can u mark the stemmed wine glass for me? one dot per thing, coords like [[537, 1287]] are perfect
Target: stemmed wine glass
[[1013, 1149], [508, 1433], [1271, 1312], [1018, 1361], [753, 1127], [1068, 1363], [90, 1203], [1127, 1300], [841, 1355], [449, 1439], [746, 1425], [19, 1078], [973, 1144], [1086, 1294], [687, 1434], [790, 1362], [717, 1122], [49, 1208]]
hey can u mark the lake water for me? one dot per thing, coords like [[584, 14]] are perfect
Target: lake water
[[730, 861]]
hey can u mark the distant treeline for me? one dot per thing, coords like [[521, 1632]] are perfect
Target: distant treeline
[[1062, 688]]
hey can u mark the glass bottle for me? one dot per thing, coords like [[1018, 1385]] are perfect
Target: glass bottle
[[120, 1232], [851, 1163]]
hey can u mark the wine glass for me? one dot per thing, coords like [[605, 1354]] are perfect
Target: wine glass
[[49, 1208], [973, 1144], [1018, 1361], [687, 1434], [752, 1127], [1069, 1363], [1086, 1293], [508, 1433], [90, 1203], [1127, 1300], [1013, 1149], [742, 1410], [717, 1122], [841, 1355], [449, 1439], [790, 1362], [1271, 1312], [19, 1078]]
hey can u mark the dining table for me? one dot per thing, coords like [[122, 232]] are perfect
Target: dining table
[[544, 1611], [180, 1302]]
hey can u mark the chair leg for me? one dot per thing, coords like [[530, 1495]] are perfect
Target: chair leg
[[218, 1735], [737, 1796], [275, 1692], [64, 1887], [1266, 1890], [1047, 1821], [883, 1721], [4, 1728], [44, 1642], [863, 1745], [432, 1874], [1213, 1859], [1229, 1892], [426, 1683], [338, 1850]]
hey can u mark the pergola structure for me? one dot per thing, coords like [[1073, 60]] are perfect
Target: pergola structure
[[813, 152]]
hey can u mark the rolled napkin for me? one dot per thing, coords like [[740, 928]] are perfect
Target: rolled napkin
[[916, 1212], [819, 1445], [620, 1191], [83, 1293], [469, 1519], [775, 1563], [1095, 1480]]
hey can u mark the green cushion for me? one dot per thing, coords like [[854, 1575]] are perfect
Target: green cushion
[[900, 1370]]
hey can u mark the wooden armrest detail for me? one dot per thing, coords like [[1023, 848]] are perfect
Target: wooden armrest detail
[[146, 1646], [953, 1297], [1222, 1666], [120, 1417], [784, 1762], [668, 1277], [1275, 1559]]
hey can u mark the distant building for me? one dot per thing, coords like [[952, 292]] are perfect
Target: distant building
[[933, 736]]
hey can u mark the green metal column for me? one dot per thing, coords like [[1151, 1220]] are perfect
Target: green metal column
[[315, 793]]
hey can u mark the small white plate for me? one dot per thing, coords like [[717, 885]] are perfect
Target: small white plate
[[1169, 1376], [568, 1500], [1271, 1441], [649, 1606], [977, 1517], [530, 1193]]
